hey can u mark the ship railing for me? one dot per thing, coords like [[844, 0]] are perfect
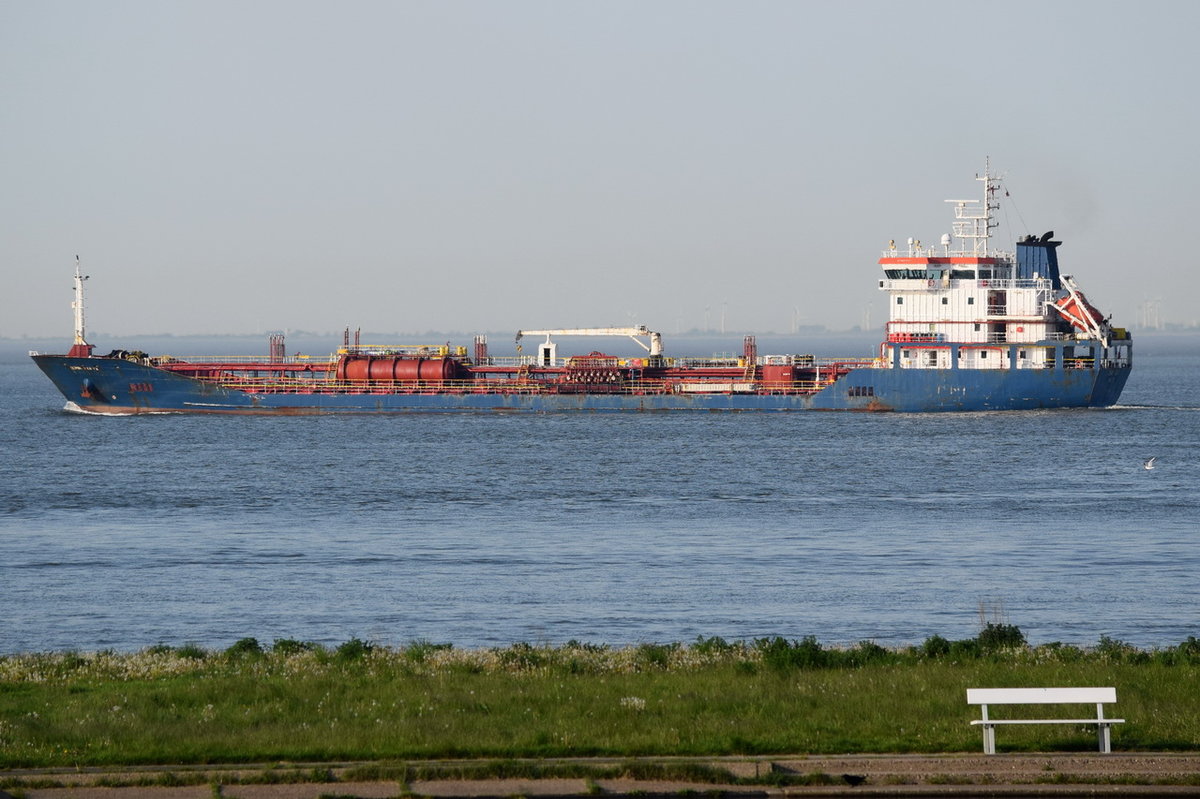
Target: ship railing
[[689, 362], [1019, 283], [515, 362], [916, 338], [505, 386], [413, 350], [789, 360], [714, 361], [940, 251], [937, 284], [912, 284], [536, 361], [241, 359]]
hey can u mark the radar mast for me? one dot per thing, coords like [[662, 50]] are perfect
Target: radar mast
[[973, 219], [79, 348]]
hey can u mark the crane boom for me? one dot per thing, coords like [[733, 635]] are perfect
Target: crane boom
[[654, 347]]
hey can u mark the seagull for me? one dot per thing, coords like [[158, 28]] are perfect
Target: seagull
[[1150, 463]]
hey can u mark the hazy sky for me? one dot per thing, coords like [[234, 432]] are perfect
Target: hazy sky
[[234, 167]]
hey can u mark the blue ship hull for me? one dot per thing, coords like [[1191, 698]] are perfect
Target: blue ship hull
[[116, 386]]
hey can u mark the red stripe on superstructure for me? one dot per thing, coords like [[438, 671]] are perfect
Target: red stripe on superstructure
[[984, 261]]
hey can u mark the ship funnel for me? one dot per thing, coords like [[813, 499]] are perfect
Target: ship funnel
[[1039, 256]]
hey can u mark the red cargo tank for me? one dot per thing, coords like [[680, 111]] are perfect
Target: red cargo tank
[[389, 367], [778, 373]]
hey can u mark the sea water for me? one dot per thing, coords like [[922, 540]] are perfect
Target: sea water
[[482, 530]]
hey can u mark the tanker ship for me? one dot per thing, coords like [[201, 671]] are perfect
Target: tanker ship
[[970, 328]]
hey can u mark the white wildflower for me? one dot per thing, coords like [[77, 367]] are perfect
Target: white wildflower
[[633, 702]]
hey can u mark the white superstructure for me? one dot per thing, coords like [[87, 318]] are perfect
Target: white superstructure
[[964, 305]]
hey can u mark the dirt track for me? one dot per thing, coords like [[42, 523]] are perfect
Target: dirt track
[[1121, 774]]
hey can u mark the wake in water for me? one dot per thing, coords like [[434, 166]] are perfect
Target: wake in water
[[72, 407]]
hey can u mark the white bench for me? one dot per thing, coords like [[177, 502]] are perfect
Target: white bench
[[1042, 696]]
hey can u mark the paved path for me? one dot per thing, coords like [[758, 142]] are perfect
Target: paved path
[[1007, 775]]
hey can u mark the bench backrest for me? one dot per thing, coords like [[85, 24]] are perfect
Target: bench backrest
[[1039, 696]]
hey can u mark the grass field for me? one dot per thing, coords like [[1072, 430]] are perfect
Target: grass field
[[299, 702]]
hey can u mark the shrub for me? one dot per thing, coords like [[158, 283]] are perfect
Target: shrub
[[354, 649], [1167, 657], [655, 656], [966, 649], [244, 647], [935, 647], [419, 651], [806, 653], [290, 646], [867, 652], [1114, 649], [711, 646], [1000, 636], [1065, 653], [585, 646], [522, 656]]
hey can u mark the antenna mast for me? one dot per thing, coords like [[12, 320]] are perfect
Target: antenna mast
[[80, 348], [972, 220]]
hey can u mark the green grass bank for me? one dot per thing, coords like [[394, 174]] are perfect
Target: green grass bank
[[300, 702]]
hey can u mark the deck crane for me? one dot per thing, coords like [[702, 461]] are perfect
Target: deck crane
[[547, 349]]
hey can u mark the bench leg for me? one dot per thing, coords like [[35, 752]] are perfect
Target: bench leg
[[989, 739], [1105, 740]]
